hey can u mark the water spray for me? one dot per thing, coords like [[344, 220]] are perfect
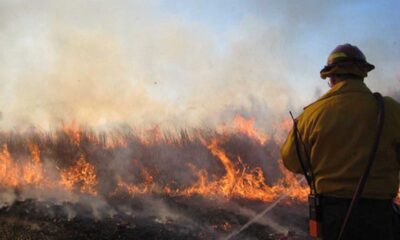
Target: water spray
[[261, 214]]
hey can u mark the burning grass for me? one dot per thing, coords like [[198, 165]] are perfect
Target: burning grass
[[182, 185], [229, 163]]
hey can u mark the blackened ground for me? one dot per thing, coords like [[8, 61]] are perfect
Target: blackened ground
[[185, 218]]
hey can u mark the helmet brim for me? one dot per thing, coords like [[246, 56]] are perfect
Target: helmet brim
[[328, 70]]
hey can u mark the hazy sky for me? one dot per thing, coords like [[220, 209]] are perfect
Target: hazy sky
[[181, 63]]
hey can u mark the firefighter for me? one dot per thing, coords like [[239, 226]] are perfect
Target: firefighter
[[337, 133]]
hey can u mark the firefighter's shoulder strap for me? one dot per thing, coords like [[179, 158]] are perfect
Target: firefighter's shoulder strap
[[361, 184]]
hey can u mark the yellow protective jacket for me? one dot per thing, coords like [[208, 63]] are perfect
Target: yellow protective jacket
[[338, 132]]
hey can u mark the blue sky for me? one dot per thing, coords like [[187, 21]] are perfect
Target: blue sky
[[181, 63], [314, 27]]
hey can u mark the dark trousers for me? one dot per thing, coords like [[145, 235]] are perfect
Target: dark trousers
[[371, 219]]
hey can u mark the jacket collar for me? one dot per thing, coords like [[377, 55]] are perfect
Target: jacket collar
[[343, 87]]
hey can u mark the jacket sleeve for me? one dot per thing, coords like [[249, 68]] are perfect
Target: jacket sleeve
[[289, 154], [288, 150]]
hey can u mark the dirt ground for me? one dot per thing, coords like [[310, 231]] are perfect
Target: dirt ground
[[32, 220]]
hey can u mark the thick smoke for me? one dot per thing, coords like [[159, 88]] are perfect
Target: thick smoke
[[102, 64]]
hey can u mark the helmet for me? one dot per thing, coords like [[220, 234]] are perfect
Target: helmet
[[346, 59]]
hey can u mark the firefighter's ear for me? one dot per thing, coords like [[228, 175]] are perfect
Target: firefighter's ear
[[331, 82]]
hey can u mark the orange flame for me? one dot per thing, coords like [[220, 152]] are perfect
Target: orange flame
[[82, 175], [9, 172], [13, 174], [242, 182], [246, 127], [32, 172]]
